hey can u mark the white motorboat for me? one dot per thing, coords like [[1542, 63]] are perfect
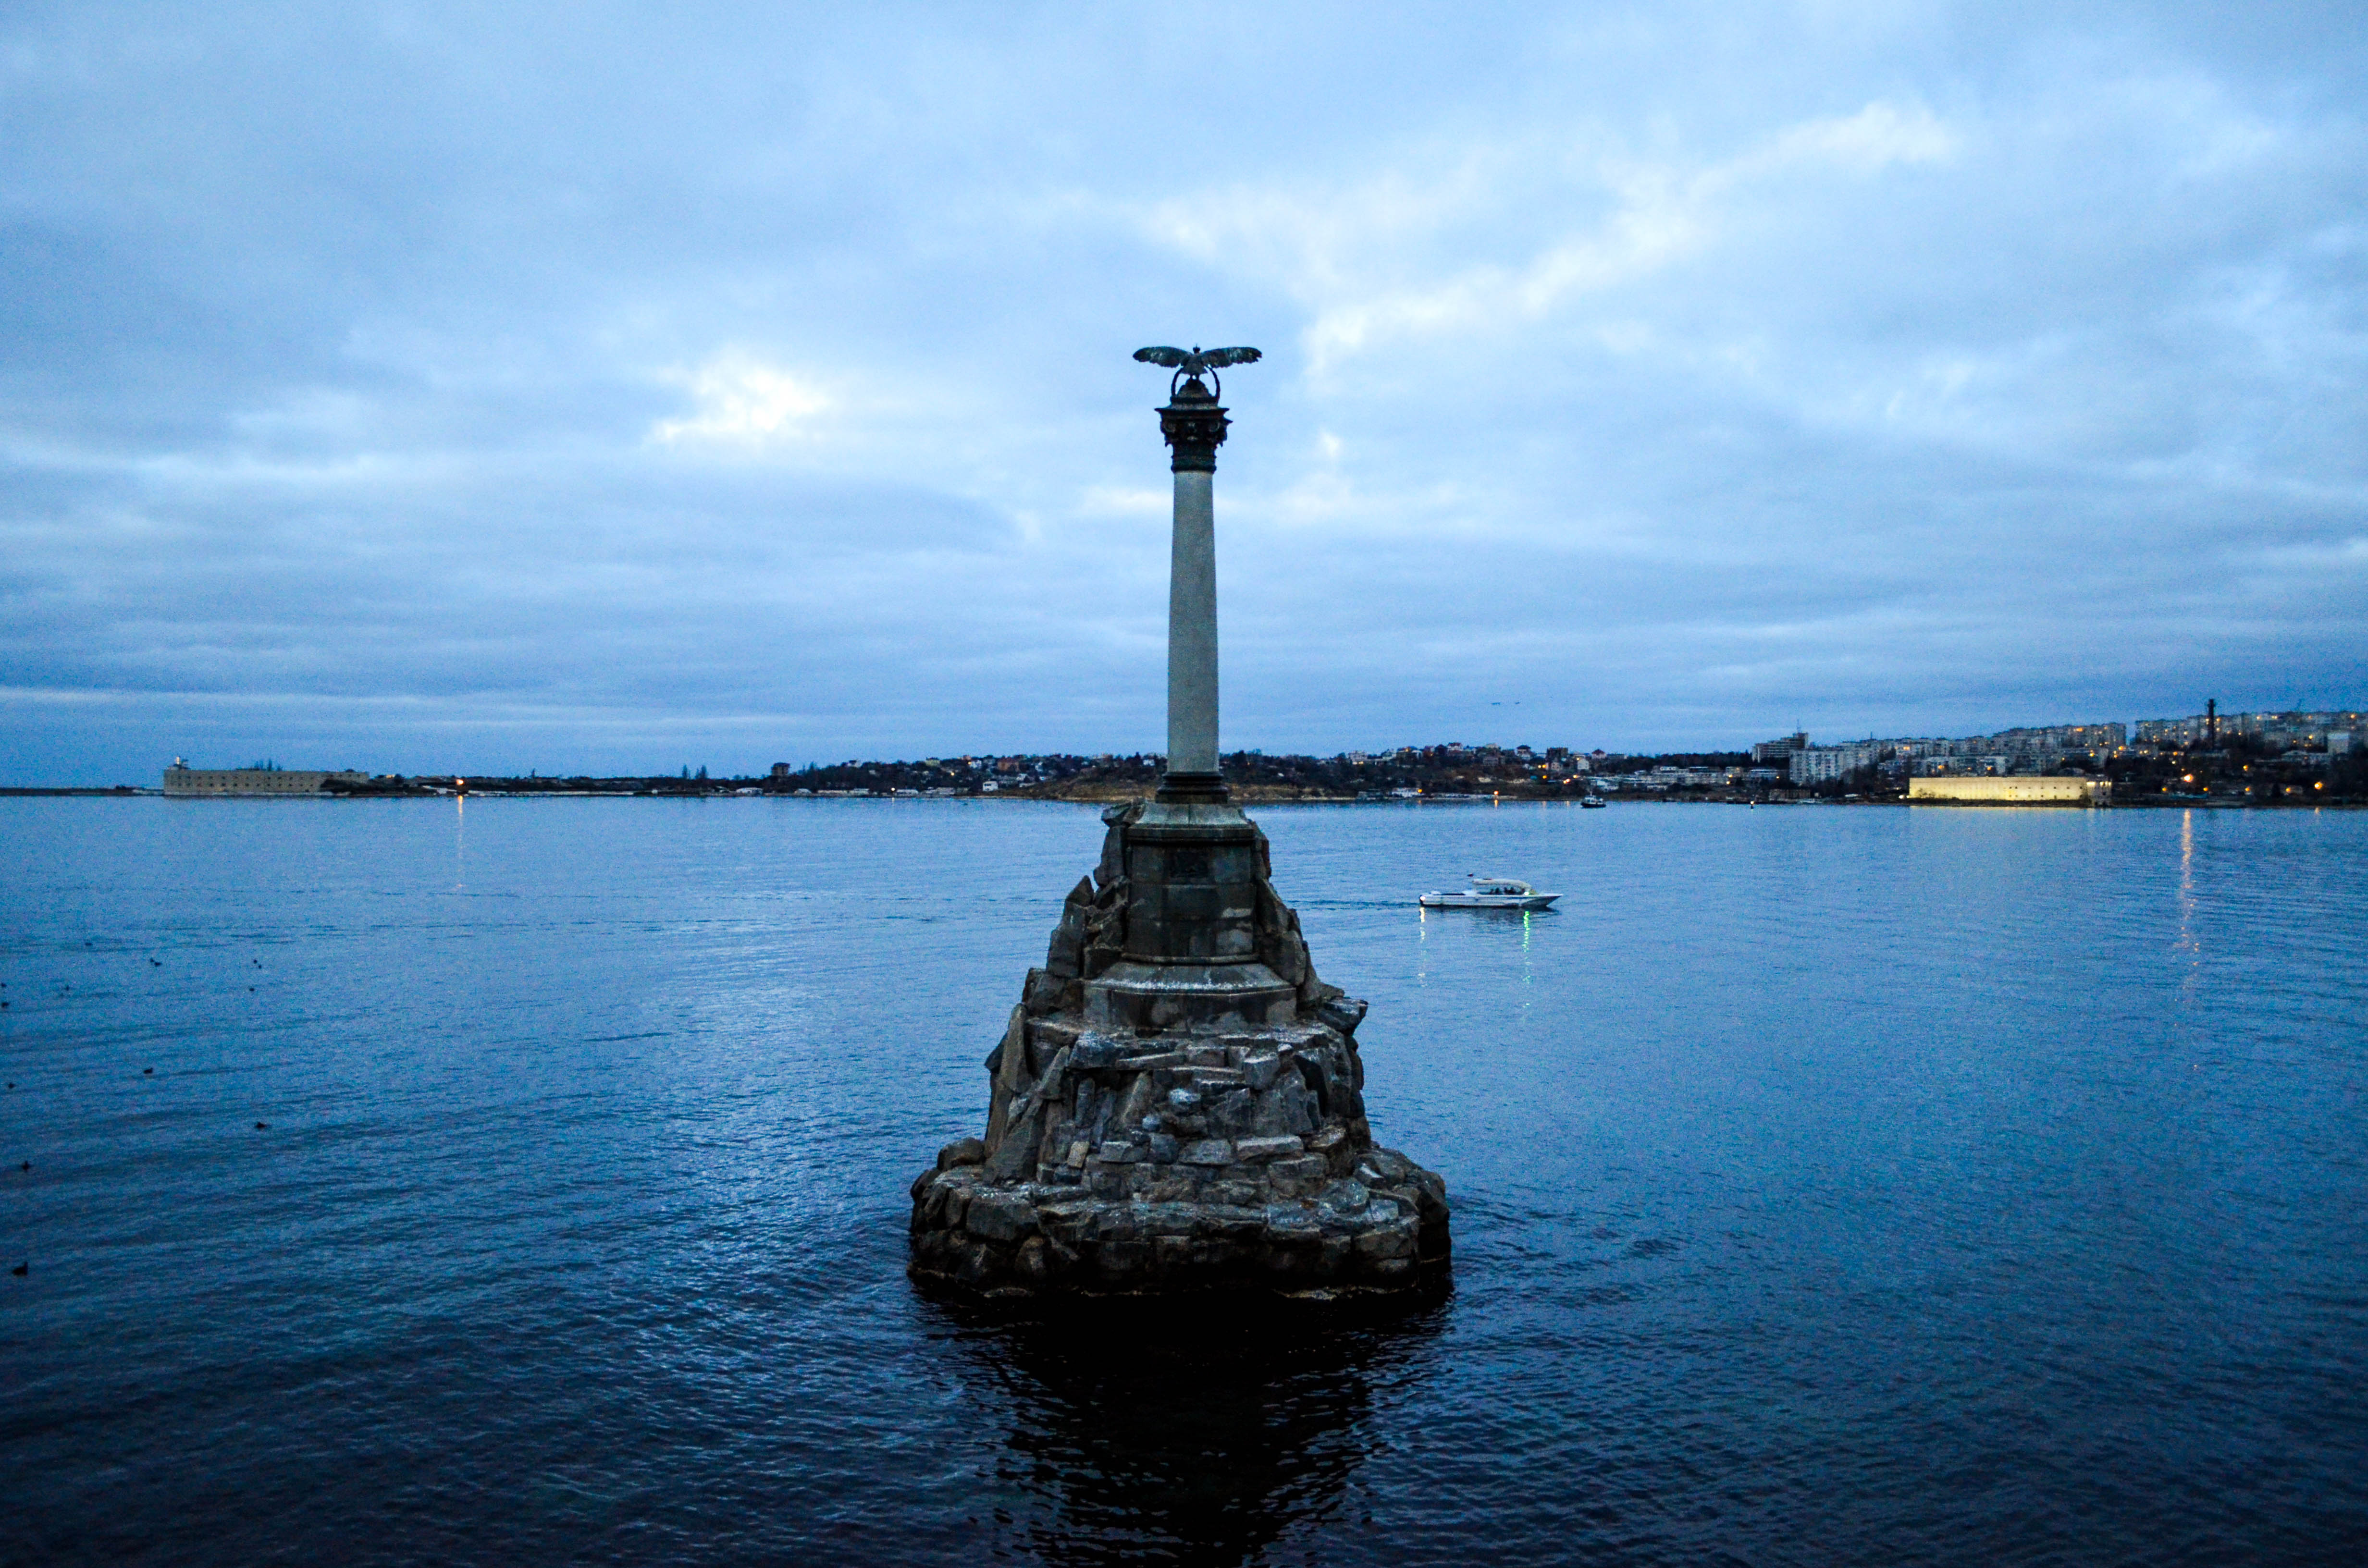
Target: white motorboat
[[1491, 893]]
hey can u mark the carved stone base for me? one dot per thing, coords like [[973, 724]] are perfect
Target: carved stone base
[[1328, 1220], [1177, 1101], [1155, 996]]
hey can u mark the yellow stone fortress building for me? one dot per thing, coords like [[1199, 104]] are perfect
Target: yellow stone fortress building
[[2009, 791], [181, 779]]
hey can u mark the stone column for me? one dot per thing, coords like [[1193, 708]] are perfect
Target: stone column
[[1192, 627], [1194, 424]]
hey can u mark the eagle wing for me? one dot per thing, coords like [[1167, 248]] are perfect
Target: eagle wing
[[1170, 356], [1224, 357]]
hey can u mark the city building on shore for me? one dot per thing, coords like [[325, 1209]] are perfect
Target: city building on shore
[[180, 779], [2019, 790], [1823, 764], [2295, 729]]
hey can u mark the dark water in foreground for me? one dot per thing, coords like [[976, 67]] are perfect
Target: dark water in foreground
[[1832, 1185]]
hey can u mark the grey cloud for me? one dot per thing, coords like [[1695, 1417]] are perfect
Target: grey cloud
[[1893, 367]]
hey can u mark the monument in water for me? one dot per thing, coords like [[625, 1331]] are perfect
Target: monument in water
[[1177, 1101]]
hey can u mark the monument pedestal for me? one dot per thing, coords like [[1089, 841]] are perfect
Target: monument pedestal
[[1178, 1100]]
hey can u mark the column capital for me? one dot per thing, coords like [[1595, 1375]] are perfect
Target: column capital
[[1194, 424]]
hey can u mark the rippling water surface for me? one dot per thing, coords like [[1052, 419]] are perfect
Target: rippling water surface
[[1832, 1185]]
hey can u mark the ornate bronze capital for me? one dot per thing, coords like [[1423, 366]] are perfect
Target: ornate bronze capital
[[1194, 424]]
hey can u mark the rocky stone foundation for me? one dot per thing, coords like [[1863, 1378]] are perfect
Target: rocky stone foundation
[[1287, 1211], [1222, 1150]]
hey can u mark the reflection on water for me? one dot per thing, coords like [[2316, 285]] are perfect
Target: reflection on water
[[1486, 927], [2187, 944], [1202, 1430], [1517, 920]]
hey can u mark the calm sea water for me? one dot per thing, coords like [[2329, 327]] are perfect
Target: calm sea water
[[1832, 1185]]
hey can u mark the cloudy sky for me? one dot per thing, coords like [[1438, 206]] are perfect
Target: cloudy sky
[[490, 387]]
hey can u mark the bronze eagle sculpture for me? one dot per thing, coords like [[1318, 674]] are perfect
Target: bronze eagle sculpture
[[1196, 360]]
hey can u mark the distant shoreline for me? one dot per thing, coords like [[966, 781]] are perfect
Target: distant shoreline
[[116, 789], [1248, 795]]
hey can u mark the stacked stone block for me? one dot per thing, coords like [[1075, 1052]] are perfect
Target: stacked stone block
[[1177, 1101]]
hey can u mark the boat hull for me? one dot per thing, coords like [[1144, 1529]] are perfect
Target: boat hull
[[1487, 900]]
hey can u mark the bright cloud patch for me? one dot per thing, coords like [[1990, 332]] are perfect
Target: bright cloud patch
[[1659, 213], [742, 402]]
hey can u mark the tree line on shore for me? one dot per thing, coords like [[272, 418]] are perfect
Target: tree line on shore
[[2235, 768]]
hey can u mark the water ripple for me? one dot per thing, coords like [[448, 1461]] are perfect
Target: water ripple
[[1832, 1188]]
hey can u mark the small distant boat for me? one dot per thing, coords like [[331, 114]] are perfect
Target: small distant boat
[[1491, 893], [1593, 802]]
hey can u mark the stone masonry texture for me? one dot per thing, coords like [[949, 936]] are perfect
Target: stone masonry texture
[[1197, 1154]]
